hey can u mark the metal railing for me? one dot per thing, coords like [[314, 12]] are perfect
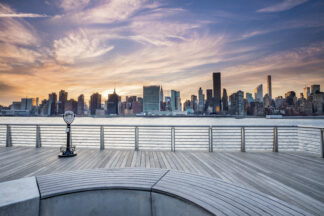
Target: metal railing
[[170, 137]]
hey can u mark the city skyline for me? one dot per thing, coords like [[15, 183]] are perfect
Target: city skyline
[[96, 46]]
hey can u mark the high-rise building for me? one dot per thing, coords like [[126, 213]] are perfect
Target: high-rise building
[[306, 92], [151, 98], [291, 98], [225, 100], [258, 93], [217, 91], [201, 99], [71, 105], [63, 95], [194, 103], [167, 100], [237, 103], [95, 103], [269, 87], [249, 97], [52, 101], [80, 110], [175, 100], [112, 103], [209, 100], [27, 103], [315, 89]]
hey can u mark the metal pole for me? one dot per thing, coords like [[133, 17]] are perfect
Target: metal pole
[[38, 137], [172, 139], [68, 138], [242, 139], [322, 142], [210, 133], [275, 140], [8, 137], [136, 138], [102, 138]]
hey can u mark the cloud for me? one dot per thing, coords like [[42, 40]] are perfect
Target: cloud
[[22, 15], [283, 6], [4, 87], [79, 46]]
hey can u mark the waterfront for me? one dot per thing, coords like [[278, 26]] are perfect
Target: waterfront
[[165, 121]]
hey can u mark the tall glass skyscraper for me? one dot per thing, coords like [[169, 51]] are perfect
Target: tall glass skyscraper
[[217, 91], [269, 87], [151, 98]]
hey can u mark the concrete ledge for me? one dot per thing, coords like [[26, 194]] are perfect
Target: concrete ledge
[[134, 191], [19, 197]]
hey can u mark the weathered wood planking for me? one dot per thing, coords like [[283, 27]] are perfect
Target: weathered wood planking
[[296, 178]]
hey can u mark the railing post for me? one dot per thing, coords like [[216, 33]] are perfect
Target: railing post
[[172, 139], [102, 138], [210, 135], [275, 139], [38, 137], [136, 138], [8, 137], [322, 143], [242, 139]]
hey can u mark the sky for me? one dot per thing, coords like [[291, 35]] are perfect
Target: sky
[[88, 46]]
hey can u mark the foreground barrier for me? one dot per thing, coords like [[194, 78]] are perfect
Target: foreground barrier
[[134, 192], [170, 137]]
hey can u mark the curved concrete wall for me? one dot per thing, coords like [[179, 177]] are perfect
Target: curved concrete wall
[[117, 202]]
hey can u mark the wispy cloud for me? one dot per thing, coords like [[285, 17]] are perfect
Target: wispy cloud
[[282, 6], [79, 46], [22, 15]]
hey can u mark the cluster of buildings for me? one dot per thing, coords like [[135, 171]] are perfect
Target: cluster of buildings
[[215, 101]]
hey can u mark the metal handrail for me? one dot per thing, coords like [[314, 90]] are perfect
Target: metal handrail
[[137, 127]]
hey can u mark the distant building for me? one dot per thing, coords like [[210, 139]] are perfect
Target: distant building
[[194, 103], [258, 93], [63, 95], [269, 87], [209, 101], [151, 99], [112, 103], [175, 100], [201, 101], [306, 92], [71, 105], [80, 110], [43, 108], [290, 98], [237, 103], [95, 103], [249, 97], [225, 100], [28, 104], [217, 91], [266, 100], [167, 100], [137, 107], [315, 89], [52, 101]]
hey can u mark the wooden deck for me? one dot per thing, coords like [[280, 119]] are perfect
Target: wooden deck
[[292, 177]]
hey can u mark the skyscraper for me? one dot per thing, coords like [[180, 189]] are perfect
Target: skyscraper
[[95, 103], [201, 99], [306, 92], [315, 89], [151, 98], [258, 93], [217, 91], [63, 95], [225, 100], [249, 97], [112, 103], [52, 100], [237, 103], [80, 105], [194, 103], [175, 100], [269, 88]]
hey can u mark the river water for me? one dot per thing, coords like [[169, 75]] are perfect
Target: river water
[[165, 121]]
